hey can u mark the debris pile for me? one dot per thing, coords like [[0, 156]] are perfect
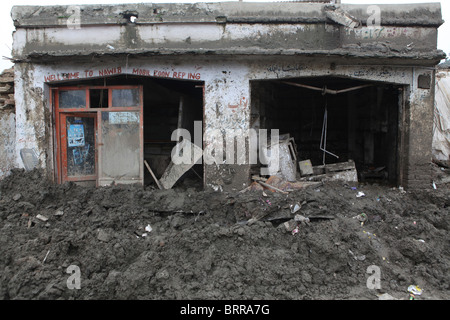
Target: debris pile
[[130, 242]]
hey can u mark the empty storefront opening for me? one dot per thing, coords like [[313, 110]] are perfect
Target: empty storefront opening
[[171, 105], [143, 113], [334, 120]]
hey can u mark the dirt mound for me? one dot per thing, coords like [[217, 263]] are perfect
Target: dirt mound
[[131, 242]]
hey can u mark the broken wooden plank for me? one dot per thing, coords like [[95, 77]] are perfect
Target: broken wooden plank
[[349, 176], [272, 187], [335, 167], [153, 175]]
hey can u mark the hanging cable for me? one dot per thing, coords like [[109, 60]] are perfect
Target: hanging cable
[[323, 139]]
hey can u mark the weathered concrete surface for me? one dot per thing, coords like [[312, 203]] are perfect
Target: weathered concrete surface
[[406, 31], [441, 139], [419, 136], [221, 12], [34, 121]]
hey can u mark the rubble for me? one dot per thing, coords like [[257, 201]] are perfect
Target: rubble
[[197, 249]]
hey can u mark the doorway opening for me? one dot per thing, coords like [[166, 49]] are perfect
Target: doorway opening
[[334, 120]]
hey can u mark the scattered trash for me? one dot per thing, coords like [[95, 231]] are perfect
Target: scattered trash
[[414, 291], [420, 240], [360, 194], [434, 185], [306, 168], [290, 225], [264, 194], [295, 208], [361, 218], [148, 228], [17, 197], [59, 213], [41, 217], [401, 190], [354, 188], [369, 235], [46, 256], [359, 258], [295, 231]]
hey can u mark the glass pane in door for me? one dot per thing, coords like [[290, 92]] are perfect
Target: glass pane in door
[[80, 146]]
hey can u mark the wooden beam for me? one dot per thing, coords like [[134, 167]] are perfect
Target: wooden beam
[[153, 175]]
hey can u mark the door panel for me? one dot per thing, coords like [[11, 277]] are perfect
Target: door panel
[[120, 148]]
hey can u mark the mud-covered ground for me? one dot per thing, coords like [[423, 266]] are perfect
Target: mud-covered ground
[[200, 247]]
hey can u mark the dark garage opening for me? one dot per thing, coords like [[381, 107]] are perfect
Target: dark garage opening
[[362, 121]]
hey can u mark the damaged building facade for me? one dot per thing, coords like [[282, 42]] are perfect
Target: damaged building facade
[[100, 89]]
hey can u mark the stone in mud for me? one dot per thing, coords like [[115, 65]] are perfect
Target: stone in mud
[[103, 236]]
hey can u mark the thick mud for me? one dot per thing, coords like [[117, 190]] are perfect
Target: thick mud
[[201, 245]]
